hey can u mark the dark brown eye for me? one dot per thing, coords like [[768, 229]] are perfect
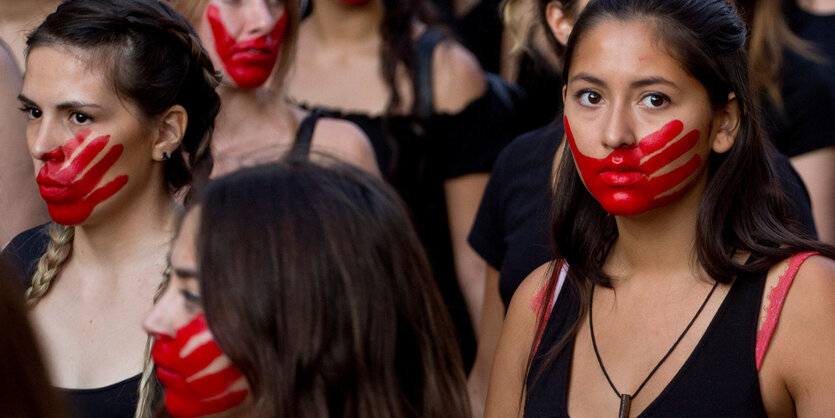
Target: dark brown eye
[[655, 101], [589, 98]]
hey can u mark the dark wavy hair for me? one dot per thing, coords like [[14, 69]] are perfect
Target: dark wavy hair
[[743, 208], [316, 286], [155, 61]]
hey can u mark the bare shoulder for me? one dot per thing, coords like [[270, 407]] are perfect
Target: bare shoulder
[[345, 141], [457, 77], [803, 344]]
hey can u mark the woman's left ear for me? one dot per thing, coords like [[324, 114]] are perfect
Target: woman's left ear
[[726, 121], [171, 129]]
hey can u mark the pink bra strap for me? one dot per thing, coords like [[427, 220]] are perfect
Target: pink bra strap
[[775, 304]]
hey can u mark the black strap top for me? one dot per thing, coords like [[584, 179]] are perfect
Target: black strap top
[[719, 379], [304, 136]]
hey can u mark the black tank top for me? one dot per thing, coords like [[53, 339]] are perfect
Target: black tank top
[[719, 379], [304, 136]]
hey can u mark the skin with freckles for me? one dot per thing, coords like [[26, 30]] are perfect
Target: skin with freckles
[[248, 62], [190, 391], [626, 181], [69, 182]]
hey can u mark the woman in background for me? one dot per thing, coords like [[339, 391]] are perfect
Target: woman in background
[[120, 99], [329, 311], [793, 83], [434, 122], [252, 42]]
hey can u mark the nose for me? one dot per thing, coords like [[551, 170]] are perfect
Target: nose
[[618, 131], [258, 18], [161, 321], [46, 140]]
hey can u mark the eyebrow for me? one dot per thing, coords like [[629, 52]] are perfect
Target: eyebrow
[[72, 104], [649, 81], [185, 274]]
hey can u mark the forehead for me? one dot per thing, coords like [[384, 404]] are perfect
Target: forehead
[[632, 48], [184, 251], [60, 73]]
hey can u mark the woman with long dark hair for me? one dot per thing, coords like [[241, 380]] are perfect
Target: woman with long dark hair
[[120, 99], [793, 81], [252, 43], [312, 293], [434, 122], [671, 238]]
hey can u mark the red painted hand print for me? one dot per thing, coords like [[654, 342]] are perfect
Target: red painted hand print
[[68, 183], [626, 182], [249, 63], [194, 384]]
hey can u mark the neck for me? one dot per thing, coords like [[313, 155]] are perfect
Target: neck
[[659, 244], [144, 227], [337, 23], [244, 110]]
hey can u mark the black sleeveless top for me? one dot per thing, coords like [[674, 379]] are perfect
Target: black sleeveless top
[[719, 379]]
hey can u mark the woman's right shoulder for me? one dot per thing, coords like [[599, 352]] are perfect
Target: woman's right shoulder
[[345, 141]]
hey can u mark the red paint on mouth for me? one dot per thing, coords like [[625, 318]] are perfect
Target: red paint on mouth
[[185, 394], [70, 192], [625, 183], [250, 62]]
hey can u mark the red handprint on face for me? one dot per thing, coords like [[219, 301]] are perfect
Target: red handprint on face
[[249, 62], [70, 192], [626, 182], [198, 381]]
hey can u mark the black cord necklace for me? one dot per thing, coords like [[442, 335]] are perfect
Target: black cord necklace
[[625, 399]]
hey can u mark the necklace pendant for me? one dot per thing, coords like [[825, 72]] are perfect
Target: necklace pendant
[[625, 403]]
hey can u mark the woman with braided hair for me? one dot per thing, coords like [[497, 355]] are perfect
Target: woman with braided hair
[[252, 42], [120, 99]]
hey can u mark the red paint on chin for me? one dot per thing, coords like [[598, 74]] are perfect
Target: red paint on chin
[[70, 189], [185, 394], [627, 186], [249, 63]]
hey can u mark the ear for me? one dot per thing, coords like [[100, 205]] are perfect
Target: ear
[[564, 89], [558, 21], [171, 129], [726, 122]]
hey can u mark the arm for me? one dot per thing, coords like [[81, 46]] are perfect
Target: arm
[[507, 378], [21, 206], [492, 319], [463, 194], [457, 80], [796, 375], [817, 169]]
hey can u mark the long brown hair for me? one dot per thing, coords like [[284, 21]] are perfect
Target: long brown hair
[[743, 206], [769, 37], [316, 286]]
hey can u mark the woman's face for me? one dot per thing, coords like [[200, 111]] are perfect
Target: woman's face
[[640, 128], [93, 152], [199, 379], [243, 38]]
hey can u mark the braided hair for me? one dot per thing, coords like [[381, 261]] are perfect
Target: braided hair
[[154, 60]]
